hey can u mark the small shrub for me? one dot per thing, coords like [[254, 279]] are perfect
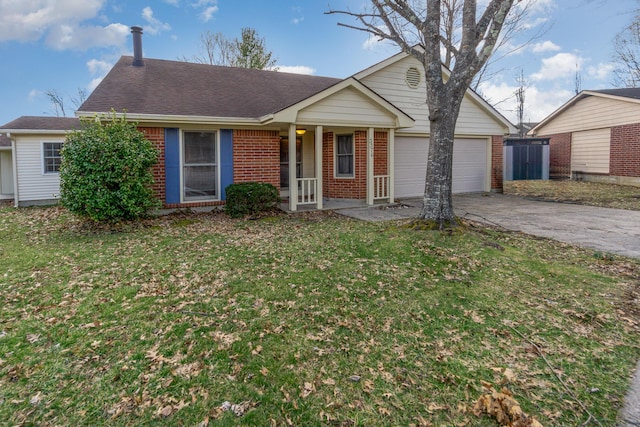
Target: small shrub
[[105, 173], [248, 198]]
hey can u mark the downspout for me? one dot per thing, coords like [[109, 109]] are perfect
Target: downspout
[[14, 160]]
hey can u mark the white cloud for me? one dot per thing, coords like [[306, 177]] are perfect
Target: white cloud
[[172, 2], [208, 12], [296, 69], [296, 21], [155, 25], [545, 46], [34, 93], [62, 23], [601, 71], [558, 66], [207, 8], [84, 37], [539, 102], [96, 66]]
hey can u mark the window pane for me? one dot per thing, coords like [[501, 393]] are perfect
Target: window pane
[[345, 144], [199, 182], [199, 147], [51, 155], [345, 165]]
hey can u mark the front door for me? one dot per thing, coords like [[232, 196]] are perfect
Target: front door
[[284, 161]]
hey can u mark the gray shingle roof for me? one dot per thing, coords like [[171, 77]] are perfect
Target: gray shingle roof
[[162, 87], [43, 123], [4, 141], [626, 92]]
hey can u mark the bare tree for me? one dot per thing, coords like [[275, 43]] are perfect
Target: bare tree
[[415, 26], [249, 51], [520, 95], [216, 49], [57, 101], [626, 56]]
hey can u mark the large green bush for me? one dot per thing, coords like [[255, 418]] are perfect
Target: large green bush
[[105, 173], [248, 198]]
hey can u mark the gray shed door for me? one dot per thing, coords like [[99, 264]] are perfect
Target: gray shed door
[[469, 165]]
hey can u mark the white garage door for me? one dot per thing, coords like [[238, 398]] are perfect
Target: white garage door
[[469, 165]]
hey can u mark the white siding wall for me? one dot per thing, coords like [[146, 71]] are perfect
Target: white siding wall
[[33, 183], [593, 112], [390, 83], [347, 107], [590, 151], [6, 173]]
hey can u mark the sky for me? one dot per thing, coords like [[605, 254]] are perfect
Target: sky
[[68, 46]]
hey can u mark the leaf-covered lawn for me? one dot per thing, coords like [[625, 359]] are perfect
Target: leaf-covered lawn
[[309, 319], [581, 192]]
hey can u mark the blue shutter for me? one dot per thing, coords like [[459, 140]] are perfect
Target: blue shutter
[[226, 160], [172, 164]]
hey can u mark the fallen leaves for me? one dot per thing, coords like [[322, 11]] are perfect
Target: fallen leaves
[[503, 407]]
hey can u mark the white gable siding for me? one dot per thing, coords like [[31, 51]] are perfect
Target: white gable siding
[[348, 108], [590, 151], [33, 183], [390, 83], [593, 112]]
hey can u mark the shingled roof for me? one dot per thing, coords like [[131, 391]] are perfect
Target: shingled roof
[[4, 141], [42, 123], [162, 87], [624, 92]]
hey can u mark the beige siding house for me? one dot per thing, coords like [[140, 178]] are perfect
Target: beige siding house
[[479, 130], [596, 136]]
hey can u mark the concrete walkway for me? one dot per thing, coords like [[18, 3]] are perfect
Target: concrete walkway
[[608, 230]]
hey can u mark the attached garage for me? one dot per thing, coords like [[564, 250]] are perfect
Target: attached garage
[[470, 165]]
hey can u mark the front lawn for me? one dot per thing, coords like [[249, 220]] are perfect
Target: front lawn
[[307, 319]]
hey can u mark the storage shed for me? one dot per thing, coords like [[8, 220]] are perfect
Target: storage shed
[[526, 158]]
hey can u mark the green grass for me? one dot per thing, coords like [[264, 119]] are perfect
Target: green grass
[[309, 319]]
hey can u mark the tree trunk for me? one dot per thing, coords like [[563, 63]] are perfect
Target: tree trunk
[[437, 209]]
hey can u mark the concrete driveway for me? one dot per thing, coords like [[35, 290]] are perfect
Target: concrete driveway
[[608, 230]]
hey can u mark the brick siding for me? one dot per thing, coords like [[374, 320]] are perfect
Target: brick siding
[[497, 150], [559, 155], [256, 156], [625, 151], [345, 188]]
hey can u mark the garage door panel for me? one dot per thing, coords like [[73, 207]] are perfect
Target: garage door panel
[[469, 165]]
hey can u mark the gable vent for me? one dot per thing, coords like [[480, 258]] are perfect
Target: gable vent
[[413, 77]]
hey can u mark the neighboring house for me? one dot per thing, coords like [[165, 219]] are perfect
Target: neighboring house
[[363, 137], [35, 157], [595, 136], [6, 168]]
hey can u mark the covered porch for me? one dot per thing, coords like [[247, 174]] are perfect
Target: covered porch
[[354, 165]]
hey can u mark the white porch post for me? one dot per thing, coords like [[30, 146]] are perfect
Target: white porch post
[[293, 181], [390, 163], [318, 166], [370, 189]]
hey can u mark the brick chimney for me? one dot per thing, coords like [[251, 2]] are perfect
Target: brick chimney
[[136, 32]]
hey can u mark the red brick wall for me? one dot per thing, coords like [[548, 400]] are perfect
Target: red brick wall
[[256, 156], [345, 188], [380, 153], [560, 155], [497, 151], [625, 151], [156, 137]]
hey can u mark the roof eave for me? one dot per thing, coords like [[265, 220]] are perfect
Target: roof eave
[[178, 119], [9, 132]]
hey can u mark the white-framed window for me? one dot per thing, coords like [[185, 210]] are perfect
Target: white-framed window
[[51, 157], [200, 166], [344, 156]]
